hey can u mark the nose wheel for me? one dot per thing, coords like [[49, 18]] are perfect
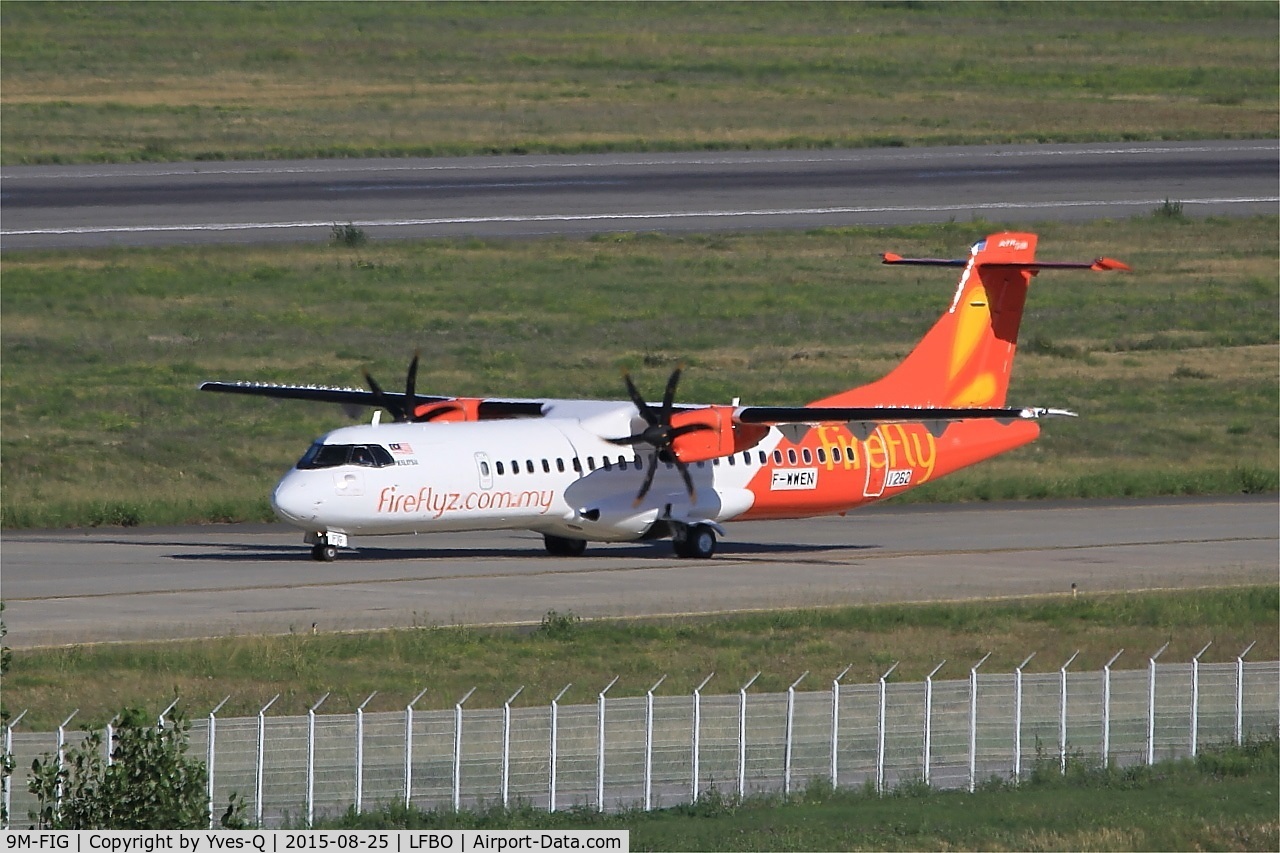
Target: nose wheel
[[323, 552]]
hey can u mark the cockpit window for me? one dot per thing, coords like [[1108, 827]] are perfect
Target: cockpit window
[[321, 455]]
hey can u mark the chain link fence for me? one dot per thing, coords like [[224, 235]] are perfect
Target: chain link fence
[[657, 750]]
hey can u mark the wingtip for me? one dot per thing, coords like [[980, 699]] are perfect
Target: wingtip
[[1107, 264], [890, 258]]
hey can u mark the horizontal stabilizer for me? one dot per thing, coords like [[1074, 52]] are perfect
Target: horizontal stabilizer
[[1097, 264]]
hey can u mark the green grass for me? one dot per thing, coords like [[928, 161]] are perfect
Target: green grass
[[101, 679], [1172, 367], [170, 81], [1225, 799]]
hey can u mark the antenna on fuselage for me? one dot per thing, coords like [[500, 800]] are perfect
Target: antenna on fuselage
[[377, 417]]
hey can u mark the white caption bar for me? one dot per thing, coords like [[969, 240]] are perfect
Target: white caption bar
[[287, 841]]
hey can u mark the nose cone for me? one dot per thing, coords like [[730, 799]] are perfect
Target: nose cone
[[296, 501]]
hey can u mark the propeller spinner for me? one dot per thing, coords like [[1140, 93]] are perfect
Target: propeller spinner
[[659, 434]]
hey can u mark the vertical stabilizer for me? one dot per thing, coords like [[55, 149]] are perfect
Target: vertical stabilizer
[[966, 358]]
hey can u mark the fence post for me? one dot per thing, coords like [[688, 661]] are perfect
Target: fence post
[[257, 778], [457, 750], [360, 753], [62, 741], [506, 746], [210, 753], [1151, 705], [1239, 693], [600, 744], [311, 760], [928, 719], [648, 744], [8, 750], [1017, 718], [696, 747], [554, 755], [835, 726], [1062, 714], [973, 722], [110, 746], [880, 733], [1195, 697], [791, 712], [742, 736], [160, 719], [408, 747], [1106, 708]]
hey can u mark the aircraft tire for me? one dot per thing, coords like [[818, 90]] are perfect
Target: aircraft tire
[[699, 543], [563, 546], [323, 552]]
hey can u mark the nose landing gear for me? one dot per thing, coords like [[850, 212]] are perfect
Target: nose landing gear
[[325, 545]]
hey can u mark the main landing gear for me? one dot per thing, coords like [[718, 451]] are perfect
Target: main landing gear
[[697, 541], [562, 546]]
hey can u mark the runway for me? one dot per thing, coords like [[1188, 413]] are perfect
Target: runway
[[87, 586], [514, 196]]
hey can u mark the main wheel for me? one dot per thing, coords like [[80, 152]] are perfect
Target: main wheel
[[562, 546], [322, 552], [699, 543]]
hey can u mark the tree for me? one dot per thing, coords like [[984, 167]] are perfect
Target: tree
[[150, 782]]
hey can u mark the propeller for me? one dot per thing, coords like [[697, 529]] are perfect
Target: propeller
[[400, 411], [659, 433]]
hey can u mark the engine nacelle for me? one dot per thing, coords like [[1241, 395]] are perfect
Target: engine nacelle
[[723, 438], [460, 409]]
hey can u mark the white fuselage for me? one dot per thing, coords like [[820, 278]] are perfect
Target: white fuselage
[[555, 475]]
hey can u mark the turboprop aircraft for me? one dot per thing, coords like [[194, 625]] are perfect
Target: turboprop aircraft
[[629, 470]]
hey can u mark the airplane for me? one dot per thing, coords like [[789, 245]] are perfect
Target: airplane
[[579, 471]]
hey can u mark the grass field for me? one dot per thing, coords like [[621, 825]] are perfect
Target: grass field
[[1172, 367], [1223, 800], [174, 81], [101, 679]]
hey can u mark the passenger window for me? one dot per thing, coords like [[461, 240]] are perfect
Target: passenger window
[[808, 457], [732, 460], [484, 468], [546, 467], [528, 465], [559, 464], [500, 472], [746, 457], [515, 466], [591, 463], [777, 457], [822, 455], [791, 455], [716, 462], [622, 463], [764, 459], [577, 464], [835, 454], [608, 463]]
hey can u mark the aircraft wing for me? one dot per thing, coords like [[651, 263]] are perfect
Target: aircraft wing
[[486, 409]]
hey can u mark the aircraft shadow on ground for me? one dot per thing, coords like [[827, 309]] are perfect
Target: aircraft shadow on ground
[[260, 553]]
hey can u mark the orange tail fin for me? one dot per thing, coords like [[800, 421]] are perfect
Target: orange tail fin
[[967, 357]]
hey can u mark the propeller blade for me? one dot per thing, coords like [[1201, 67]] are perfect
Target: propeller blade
[[648, 480], [410, 386], [627, 441], [395, 411], [669, 395], [646, 412], [688, 481]]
